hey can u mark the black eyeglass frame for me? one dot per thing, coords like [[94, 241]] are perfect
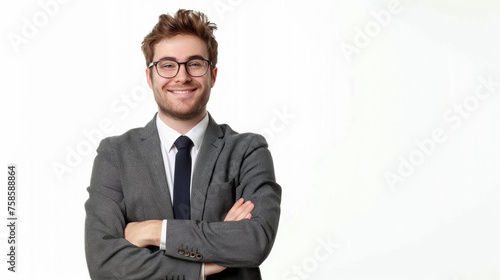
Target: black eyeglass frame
[[155, 64]]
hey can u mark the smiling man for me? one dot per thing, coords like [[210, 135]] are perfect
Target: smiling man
[[182, 197], [182, 96]]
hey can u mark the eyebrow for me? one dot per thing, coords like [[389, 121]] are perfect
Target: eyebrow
[[189, 58]]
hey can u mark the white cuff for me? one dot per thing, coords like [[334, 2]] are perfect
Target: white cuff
[[202, 273], [163, 239]]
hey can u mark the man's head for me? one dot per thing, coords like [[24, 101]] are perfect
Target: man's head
[[181, 94]]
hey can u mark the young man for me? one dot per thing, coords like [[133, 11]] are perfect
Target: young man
[[183, 197]]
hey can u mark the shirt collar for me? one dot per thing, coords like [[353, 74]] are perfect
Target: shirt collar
[[169, 135]]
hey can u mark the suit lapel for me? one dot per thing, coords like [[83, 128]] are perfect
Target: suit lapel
[[204, 167], [150, 148]]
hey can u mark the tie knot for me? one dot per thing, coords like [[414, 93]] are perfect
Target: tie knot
[[183, 142]]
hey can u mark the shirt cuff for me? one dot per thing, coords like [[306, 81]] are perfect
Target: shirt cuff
[[202, 272], [163, 239]]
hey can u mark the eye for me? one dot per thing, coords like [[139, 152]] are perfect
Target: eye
[[195, 63], [167, 65]]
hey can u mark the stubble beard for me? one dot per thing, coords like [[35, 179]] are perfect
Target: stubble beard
[[168, 109]]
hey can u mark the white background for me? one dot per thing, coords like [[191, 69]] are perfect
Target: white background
[[338, 124]]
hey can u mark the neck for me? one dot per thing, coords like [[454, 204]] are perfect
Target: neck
[[180, 125]]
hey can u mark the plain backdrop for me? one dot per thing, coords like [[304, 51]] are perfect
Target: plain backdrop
[[382, 117]]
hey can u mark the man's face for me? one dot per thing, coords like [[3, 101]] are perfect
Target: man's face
[[182, 97]]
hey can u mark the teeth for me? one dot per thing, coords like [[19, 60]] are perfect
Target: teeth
[[181, 91]]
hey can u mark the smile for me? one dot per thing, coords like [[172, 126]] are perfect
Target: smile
[[184, 91]]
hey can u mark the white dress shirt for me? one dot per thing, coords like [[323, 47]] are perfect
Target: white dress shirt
[[168, 151]]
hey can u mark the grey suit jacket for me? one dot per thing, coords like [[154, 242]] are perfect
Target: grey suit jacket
[[128, 184]]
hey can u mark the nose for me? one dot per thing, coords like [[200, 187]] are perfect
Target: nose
[[182, 77]]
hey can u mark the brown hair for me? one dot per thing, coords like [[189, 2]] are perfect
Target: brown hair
[[183, 22]]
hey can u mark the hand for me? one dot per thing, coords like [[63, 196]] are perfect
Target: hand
[[238, 212], [143, 234], [213, 268]]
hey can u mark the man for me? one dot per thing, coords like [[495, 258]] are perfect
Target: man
[[183, 197]]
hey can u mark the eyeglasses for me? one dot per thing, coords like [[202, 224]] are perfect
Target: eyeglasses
[[168, 68]]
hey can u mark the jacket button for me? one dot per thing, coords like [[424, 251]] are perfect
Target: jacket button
[[198, 256], [186, 254], [181, 251]]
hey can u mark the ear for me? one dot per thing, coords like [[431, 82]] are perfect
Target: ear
[[148, 76], [214, 76]]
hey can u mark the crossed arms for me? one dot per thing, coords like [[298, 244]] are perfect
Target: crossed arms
[[147, 233], [125, 207]]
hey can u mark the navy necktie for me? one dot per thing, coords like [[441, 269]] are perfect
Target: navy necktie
[[182, 178]]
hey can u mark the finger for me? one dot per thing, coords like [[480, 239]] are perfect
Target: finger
[[242, 211], [235, 215], [245, 210], [236, 205], [212, 268]]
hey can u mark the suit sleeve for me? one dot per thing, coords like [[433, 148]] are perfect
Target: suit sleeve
[[245, 243], [109, 255]]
